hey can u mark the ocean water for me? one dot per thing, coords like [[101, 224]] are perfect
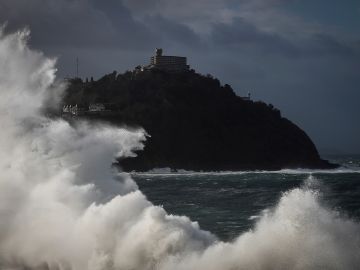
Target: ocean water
[[230, 203]]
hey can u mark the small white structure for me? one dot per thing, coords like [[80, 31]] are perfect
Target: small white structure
[[96, 107], [66, 109], [248, 97], [74, 110]]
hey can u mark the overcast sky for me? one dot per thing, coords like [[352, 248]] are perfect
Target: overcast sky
[[303, 56]]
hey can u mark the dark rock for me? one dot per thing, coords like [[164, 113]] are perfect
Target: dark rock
[[195, 123]]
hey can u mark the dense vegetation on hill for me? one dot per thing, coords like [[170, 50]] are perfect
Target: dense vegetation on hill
[[195, 123]]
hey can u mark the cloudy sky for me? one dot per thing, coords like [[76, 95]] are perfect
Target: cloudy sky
[[303, 56]]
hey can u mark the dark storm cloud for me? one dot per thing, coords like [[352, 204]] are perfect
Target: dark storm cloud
[[92, 24], [172, 32], [127, 30], [244, 35], [83, 24], [326, 44]]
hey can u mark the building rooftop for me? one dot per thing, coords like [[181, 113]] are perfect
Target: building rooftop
[[167, 62]]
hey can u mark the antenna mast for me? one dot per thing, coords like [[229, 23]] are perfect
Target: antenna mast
[[77, 67]]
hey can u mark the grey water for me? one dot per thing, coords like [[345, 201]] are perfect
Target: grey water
[[229, 203]]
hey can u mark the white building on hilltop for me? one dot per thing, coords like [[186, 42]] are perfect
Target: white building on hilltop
[[168, 63]]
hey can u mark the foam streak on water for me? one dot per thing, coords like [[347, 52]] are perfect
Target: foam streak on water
[[63, 207], [169, 172]]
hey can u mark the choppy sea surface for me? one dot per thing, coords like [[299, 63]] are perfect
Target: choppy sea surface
[[229, 203]]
